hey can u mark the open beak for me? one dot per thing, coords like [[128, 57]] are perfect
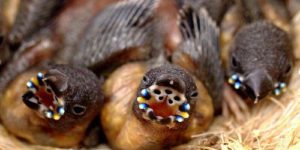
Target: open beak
[[164, 101]]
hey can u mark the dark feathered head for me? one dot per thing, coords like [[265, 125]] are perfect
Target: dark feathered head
[[166, 96], [261, 60], [64, 95]]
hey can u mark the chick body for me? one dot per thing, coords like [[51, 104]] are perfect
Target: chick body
[[28, 123]]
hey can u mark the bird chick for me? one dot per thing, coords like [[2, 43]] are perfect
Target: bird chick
[[260, 60], [162, 107], [154, 103], [52, 107]]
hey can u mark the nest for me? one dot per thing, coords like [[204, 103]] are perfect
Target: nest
[[270, 124], [273, 123]]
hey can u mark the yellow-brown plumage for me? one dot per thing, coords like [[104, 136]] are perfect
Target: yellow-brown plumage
[[26, 123], [26, 116], [125, 131]]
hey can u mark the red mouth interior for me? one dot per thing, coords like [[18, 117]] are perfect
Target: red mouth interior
[[45, 97], [162, 109]]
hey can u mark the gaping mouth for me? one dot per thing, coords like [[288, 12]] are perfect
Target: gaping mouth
[[40, 96], [163, 104]]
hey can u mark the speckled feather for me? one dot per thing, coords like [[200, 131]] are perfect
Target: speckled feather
[[32, 15], [25, 59], [216, 8], [71, 24], [201, 44], [116, 29], [252, 11]]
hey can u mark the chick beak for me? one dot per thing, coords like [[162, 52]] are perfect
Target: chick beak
[[164, 102], [41, 94], [172, 82], [258, 84]]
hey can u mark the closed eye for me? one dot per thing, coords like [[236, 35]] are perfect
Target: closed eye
[[194, 94], [288, 69], [78, 110], [234, 62], [146, 79]]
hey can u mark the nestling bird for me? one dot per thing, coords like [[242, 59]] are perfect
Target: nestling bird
[[56, 107], [150, 102], [64, 23], [261, 57], [37, 48]]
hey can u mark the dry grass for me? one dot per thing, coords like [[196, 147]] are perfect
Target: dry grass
[[271, 124]]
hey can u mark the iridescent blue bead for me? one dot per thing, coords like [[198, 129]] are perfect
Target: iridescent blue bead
[[48, 114], [237, 85], [282, 85], [145, 94], [40, 78], [40, 75], [234, 77], [277, 91], [179, 118], [185, 107], [30, 84], [143, 106], [61, 110]]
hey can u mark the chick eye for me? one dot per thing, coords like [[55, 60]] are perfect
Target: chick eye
[[234, 62], [288, 69], [146, 79], [78, 109], [194, 94]]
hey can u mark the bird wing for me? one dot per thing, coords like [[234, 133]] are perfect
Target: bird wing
[[199, 51]]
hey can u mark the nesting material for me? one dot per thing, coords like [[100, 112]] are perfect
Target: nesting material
[[274, 123], [296, 35]]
